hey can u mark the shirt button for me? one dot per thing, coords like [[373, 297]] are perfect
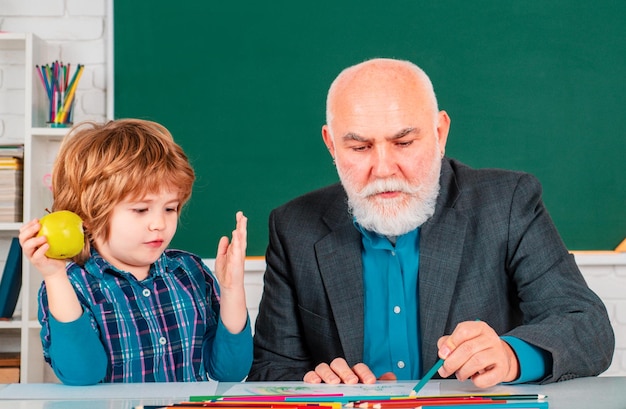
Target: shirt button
[[146, 292], [393, 253], [400, 364], [162, 341], [396, 309]]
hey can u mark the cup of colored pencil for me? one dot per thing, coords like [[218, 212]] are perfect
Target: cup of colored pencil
[[60, 85]]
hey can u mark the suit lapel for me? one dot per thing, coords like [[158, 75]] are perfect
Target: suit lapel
[[339, 260], [441, 247]]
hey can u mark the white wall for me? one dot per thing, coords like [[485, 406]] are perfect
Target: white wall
[[605, 273], [77, 31]]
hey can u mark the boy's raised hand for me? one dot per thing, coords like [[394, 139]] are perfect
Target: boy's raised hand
[[229, 270]]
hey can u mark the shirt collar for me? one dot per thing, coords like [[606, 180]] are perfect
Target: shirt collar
[[97, 266], [378, 241]]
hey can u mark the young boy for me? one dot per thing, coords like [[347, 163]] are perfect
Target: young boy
[[127, 309]]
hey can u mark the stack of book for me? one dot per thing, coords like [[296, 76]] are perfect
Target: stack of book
[[11, 182], [9, 367]]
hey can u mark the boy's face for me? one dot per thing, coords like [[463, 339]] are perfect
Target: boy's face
[[140, 230]]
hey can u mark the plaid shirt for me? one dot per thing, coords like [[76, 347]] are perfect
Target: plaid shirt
[[161, 329]]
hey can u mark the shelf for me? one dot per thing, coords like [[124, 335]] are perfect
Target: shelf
[[21, 333], [7, 226], [15, 323], [50, 133], [12, 41]]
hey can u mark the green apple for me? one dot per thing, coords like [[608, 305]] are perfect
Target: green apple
[[64, 231]]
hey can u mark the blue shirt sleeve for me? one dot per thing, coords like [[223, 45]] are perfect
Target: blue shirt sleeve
[[76, 353], [231, 354], [534, 362]]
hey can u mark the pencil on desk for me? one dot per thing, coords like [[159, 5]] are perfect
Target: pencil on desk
[[258, 405], [508, 405], [198, 405], [505, 396], [427, 377], [412, 403], [262, 398]]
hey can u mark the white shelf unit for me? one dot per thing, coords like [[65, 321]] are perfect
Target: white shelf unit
[[21, 333]]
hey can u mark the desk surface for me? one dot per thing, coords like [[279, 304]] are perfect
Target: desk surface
[[583, 393]]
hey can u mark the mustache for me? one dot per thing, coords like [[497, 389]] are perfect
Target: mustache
[[389, 185]]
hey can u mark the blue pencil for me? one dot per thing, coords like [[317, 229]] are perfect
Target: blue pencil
[[431, 372]]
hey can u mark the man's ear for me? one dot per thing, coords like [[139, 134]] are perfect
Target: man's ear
[[328, 140], [443, 127]]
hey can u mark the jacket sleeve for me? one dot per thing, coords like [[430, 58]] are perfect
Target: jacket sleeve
[[562, 315]]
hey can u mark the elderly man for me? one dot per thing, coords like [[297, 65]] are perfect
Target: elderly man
[[415, 256]]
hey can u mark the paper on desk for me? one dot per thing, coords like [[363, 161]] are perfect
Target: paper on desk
[[158, 390], [299, 388]]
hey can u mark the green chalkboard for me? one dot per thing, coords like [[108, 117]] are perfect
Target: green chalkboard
[[538, 86]]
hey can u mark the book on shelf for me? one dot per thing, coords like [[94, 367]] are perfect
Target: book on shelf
[[9, 367], [11, 188], [9, 375], [11, 281], [12, 150]]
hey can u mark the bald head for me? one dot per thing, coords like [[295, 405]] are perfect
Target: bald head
[[380, 78]]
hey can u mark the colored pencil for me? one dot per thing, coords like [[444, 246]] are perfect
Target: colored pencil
[[194, 405], [55, 79], [508, 405], [64, 113], [251, 403], [436, 401], [505, 396], [496, 396], [431, 372], [258, 398], [411, 403]]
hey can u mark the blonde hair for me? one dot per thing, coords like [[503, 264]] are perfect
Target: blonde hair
[[100, 165]]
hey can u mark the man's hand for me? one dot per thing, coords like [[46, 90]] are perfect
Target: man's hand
[[339, 372], [474, 351]]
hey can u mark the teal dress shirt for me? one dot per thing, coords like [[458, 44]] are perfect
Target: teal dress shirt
[[392, 336]]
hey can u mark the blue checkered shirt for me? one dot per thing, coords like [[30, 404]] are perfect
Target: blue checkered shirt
[[162, 329]]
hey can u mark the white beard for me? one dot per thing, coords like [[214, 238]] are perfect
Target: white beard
[[396, 216]]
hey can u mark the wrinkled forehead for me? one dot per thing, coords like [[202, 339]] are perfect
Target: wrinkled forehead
[[381, 87], [381, 107]]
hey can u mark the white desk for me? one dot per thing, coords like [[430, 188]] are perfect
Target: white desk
[[583, 393]]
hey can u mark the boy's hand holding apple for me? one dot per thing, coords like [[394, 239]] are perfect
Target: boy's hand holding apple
[[49, 241]]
